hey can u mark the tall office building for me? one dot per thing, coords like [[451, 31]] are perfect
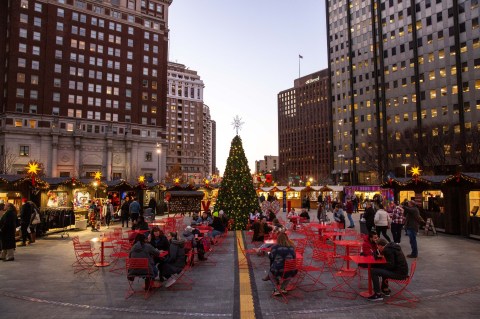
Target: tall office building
[[83, 86], [214, 148], [189, 134], [269, 164], [405, 86], [304, 130]]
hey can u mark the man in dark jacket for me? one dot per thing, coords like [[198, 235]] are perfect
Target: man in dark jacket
[[395, 268], [175, 261], [125, 211], [25, 217], [8, 224], [412, 224], [369, 216]]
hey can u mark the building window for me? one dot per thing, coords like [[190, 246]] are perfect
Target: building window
[[24, 150], [55, 111], [148, 156], [24, 4], [19, 107]]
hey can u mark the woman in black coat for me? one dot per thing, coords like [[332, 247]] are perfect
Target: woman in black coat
[[8, 224], [369, 216]]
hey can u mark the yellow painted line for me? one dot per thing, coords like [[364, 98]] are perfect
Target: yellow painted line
[[247, 309]]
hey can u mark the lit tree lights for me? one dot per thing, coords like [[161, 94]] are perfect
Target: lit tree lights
[[237, 196]]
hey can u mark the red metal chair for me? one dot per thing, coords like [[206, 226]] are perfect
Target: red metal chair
[[184, 282], [305, 273], [343, 287], [85, 257], [141, 266], [403, 297], [245, 262], [121, 251], [289, 266]]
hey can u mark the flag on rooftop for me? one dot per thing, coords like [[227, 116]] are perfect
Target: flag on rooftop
[[300, 57]]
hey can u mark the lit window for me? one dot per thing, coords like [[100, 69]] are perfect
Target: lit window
[[24, 149]]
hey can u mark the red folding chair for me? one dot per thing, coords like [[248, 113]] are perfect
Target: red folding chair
[[403, 297], [343, 288], [85, 257], [184, 282], [121, 251], [245, 262], [141, 266], [289, 266], [306, 280]]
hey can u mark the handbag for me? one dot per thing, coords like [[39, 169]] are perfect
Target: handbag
[[36, 219]]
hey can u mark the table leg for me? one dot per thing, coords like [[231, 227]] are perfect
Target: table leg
[[102, 262], [368, 293]]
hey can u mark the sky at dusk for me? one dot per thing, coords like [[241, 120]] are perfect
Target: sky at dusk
[[246, 52]]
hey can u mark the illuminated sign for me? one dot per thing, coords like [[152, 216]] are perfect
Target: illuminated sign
[[313, 80]]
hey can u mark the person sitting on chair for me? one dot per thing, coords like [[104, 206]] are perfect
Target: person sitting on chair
[[304, 216], [175, 260], [395, 268], [282, 251], [141, 224], [142, 249]]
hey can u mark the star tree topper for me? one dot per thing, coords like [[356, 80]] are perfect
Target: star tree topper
[[237, 123]]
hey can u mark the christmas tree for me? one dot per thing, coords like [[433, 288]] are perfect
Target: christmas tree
[[237, 196]]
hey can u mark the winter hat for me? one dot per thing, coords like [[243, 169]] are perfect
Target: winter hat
[[215, 214], [221, 212]]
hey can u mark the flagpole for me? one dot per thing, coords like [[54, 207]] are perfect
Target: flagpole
[[298, 66]]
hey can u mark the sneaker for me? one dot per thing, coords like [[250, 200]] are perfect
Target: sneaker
[[284, 291], [170, 281], [411, 256], [10, 259], [276, 292], [375, 297]]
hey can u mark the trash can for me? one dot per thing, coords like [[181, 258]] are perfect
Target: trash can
[[363, 225]]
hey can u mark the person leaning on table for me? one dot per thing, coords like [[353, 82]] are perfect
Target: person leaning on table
[[396, 267]]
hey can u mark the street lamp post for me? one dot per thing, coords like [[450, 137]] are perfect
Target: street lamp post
[[405, 166], [340, 158], [158, 162]]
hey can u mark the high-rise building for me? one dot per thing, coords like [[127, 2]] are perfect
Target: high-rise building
[[304, 130], [405, 86], [83, 86], [214, 148], [189, 133], [269, 164]]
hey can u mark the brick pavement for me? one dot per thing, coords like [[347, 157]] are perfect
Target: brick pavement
[[41, 284]]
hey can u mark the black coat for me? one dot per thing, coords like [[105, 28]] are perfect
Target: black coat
[[395, 258], [8, 224], [26, 213], [369, 216]]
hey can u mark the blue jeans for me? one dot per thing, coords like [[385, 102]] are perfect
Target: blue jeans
[[216, 233], [412, 234], [350, 219]]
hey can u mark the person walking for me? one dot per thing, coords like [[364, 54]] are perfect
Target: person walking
[[134, 210], [412, 224], [382, 220], [125, 211], [349, 209], [25, 217], [8, 225], [398, 220]]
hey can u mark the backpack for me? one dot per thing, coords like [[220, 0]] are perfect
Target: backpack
[[36, 217]]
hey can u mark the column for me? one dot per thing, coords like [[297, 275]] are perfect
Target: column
[[109, 159], [53, 162], [78, 145]]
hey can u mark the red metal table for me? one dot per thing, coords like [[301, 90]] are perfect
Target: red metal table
[[369, 260]]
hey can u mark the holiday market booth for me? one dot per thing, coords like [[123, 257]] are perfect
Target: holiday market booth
[[293, 196], [117, 190], [450, 201], [368, 193], [210, 194], [183, 199], [15, 187], [65, 203]]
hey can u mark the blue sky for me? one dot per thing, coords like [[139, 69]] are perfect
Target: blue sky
[[246, 52]]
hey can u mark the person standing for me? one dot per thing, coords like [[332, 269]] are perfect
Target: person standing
[[395, 268], [369, 216], [125, 211], [34, 221], [109, 212], [382, 220], [349, 209], [398, 220], [134, 210], [153, 205], [25, 217], [8, 224], [412, 224]]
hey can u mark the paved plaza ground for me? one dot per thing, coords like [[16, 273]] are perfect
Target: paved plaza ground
[[40, 283]]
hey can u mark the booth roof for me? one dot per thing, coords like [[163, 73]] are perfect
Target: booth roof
[[186, 193]]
